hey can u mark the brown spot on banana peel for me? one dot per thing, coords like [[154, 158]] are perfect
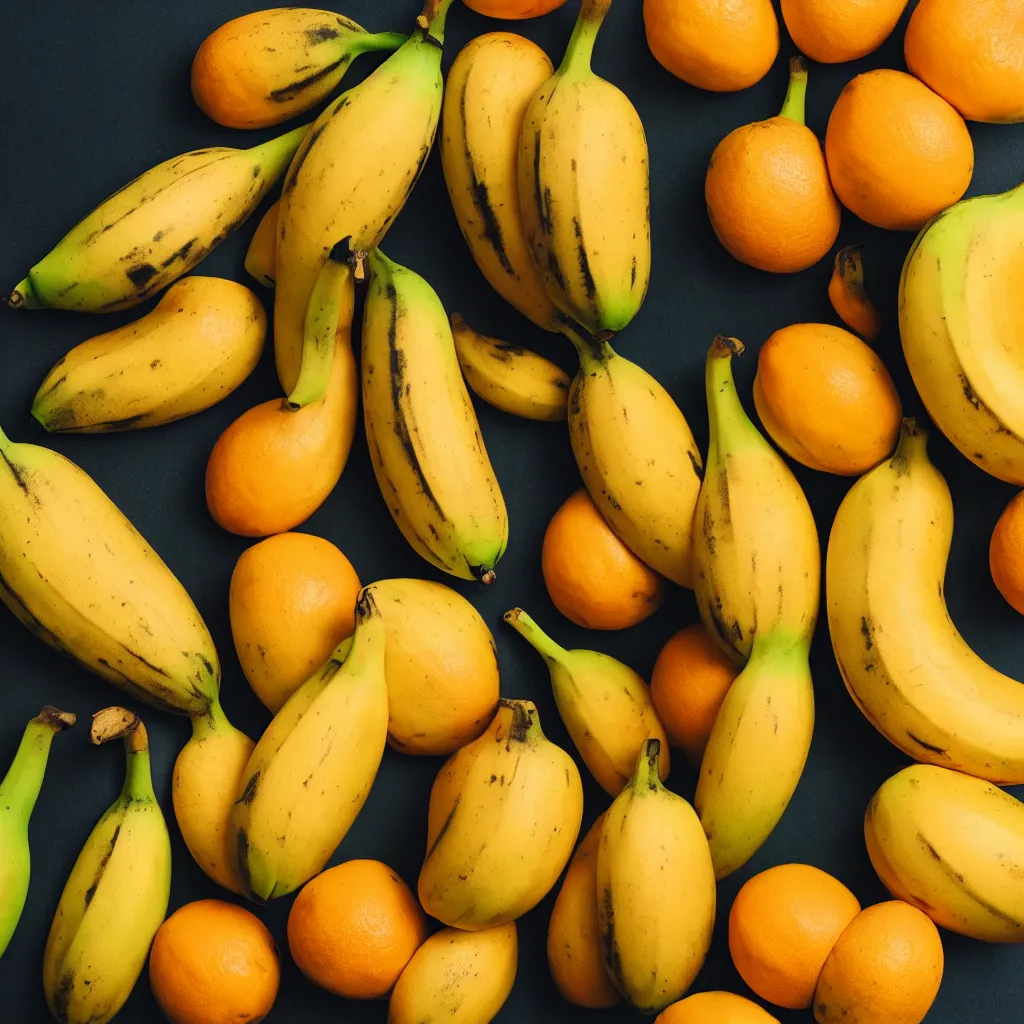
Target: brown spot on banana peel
[[612, 956], [931, 747], [866, 631], [141, 274], [583, 260], [15, 471], [289, 92], [252, 786], [104, 860], [443, 830]]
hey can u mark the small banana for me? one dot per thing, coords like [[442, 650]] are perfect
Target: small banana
[[81, 578], [312, 769], [116, 896], [605, 705], [511, 378], [505, 811], [848, 296], [655, 890], [261, 256], [19, 791], [155, 229], [425, 444]]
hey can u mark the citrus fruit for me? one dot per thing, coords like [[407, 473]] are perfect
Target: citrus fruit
[[1006, 553], [715, 1008], [831, 32], [513, 10]]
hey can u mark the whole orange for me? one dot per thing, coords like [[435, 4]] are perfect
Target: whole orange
[[897, 152], [1006, 553], [352, 929], [782, 927], [592, 577], [831, 32], [715, 1008], [513, 10], [214, 963]]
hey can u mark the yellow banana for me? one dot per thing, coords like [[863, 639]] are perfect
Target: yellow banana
[[155, 229], [511, 378], [490, 85], [116, 896], [425, 444], [904, 662], [505, 811], [655, 890], [79, 576], [583, 189], [201, 341], [312, 769], [953, 846], [261, 256]]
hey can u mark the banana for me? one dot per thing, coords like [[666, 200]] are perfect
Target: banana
[[155, 229], [637, 457], [583, 189], [458, 977], [19, 791], [510, 378], [504, 814], [962, 321], [425, 444], [261, 256], [354, 172], [490, 85], [605, 705], [312, 769], [81, 578], [201, 341], [655, 890], [848, 296], [904, 662], [953, 846], [116, 896]]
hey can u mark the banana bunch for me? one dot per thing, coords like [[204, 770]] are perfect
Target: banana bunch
[[425, 443], [155, 229], [655, 890], [605, 705], [953, 846], [116, 896], [505, 811], [757, 582], [81, 578], [961, 328], [312, 769], [904, 662], [19, 791]]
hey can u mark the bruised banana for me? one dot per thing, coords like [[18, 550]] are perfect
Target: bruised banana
[[81, 578], [425, 445], [155, 229]]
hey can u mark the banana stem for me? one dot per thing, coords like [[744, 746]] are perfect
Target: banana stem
[[646, 775], [212, 722], [534, 635], [591, 350], [24, 296], [370, 42], [20, 787], [795, 105], [581, 43], [913, 444], [520, 719], [273, 157], [432, 20], [730, 426], [118, 723]]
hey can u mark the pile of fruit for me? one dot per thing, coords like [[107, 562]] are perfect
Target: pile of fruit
[[547, 171]]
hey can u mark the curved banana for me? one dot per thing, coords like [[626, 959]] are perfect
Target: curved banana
[[904, 662], [19, 791], [583, 189], [425, 444], [81, 578], [201, 341], [605, 705], [953, 846], [655, 890], [155, 229], [116, 896], [505, 811], [312, 769], [962, 322], [637, 457], [512, 379], [490, 84], [261, 256], [848, 296]]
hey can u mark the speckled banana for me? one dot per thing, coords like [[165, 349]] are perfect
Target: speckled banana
[[903, 661], [155, 229], [583, 189], [425, 444], [79, 576], [116, 896]]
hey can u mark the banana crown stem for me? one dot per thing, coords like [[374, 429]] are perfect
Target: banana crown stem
[[369, 42], [213, 721], [24, 296], [795, 105], [592, 351], [365, 638], [518, 721], [584, 34], [730, 426], [781, 651], [278, 152], [646, 775], [20, 787], [118, 723], [534, 635], [432, 20], [912, 445]]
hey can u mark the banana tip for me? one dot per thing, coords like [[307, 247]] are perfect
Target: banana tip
[[56, 718], [726, 346]]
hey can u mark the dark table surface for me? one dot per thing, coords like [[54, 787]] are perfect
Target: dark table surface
[[96, 93]]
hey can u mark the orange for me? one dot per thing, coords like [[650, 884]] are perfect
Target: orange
[[897, 152], [292, 601], [1006, 553], [972, 53], [831, 32], [715, 1008], [513, 10], [782, 927], [720, 45], [353, 929], [885, 968], [826, 399], [592, 577], [767, 189], [848, 296], [214, 963], [690, 680]]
